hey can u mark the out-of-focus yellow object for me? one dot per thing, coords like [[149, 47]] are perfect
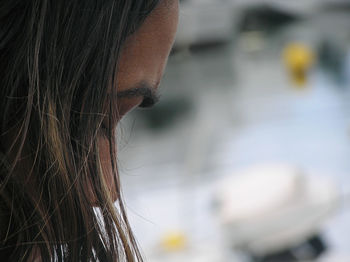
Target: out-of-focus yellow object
[[298, 59], [174, 241]]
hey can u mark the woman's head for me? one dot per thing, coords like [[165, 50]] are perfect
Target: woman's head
[[68, 71]]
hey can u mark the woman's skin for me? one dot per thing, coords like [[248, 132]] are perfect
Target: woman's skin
[[146, 52], [141, 66]]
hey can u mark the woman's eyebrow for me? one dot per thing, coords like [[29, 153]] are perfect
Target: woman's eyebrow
[[148, 92]]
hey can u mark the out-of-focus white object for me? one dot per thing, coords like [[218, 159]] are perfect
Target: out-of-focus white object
[[335, 257], [204, 21], [265, 209]]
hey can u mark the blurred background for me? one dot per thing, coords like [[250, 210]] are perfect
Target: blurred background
[[246, 156]]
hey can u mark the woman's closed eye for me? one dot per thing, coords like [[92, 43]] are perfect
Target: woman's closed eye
[[149, 101], [143, 97]]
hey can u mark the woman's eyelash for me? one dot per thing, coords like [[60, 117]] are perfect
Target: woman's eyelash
[[149, 101]]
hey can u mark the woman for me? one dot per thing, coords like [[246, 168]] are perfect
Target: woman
[[69, 70]]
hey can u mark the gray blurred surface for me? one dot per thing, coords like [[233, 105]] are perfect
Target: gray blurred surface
[[244, 112]]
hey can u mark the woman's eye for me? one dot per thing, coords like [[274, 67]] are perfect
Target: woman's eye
[[148, 101]]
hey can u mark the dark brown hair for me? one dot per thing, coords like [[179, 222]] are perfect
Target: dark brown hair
[[58, 63]]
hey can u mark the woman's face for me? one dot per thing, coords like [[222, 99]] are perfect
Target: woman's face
[[141, 66], [144, 57]]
